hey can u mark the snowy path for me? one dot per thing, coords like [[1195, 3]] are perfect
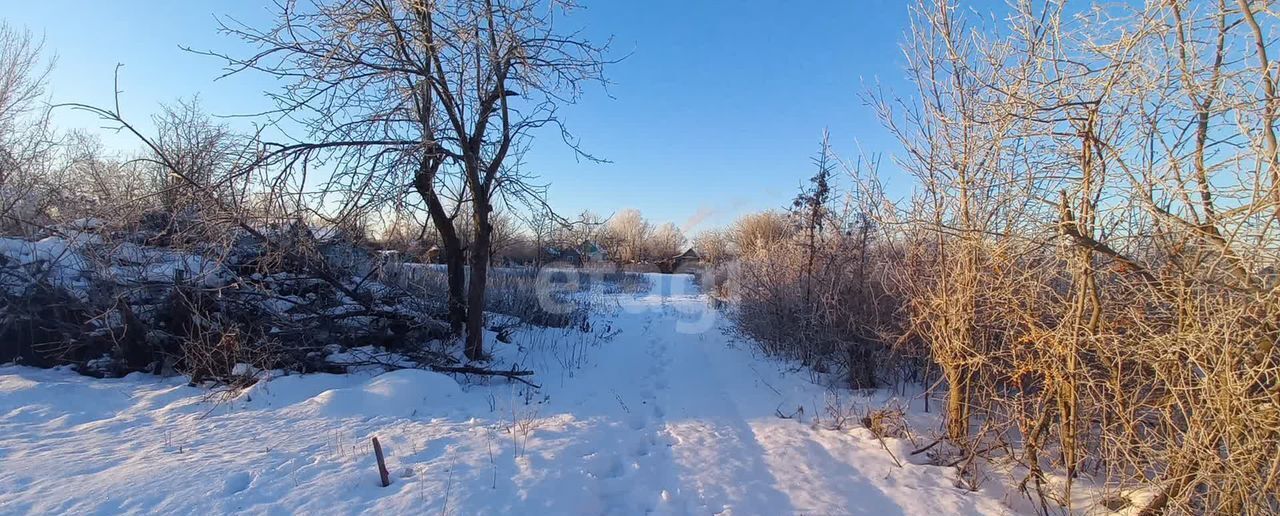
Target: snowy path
[[668, 417]]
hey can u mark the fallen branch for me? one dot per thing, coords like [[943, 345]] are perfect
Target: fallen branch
[[926, 448], [972, 455], [798, 413], [512, 374]]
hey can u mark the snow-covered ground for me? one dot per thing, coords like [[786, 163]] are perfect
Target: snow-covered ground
[[668, 416]]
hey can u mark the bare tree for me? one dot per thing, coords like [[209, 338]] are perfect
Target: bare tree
[[97, 183], [204, 150], [713, 246], [667, 241], [23, 75], [542, 225], [626, 236], [759, 232], [26, 141], [484, 55], [357, 80], [407, 92], [588, 226]]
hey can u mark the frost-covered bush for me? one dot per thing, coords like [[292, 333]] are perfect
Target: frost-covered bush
[[822, 304]]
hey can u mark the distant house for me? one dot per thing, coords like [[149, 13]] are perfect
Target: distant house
[[592, 252], [680, 262], [689, 257], [569, 255], [586, 252]]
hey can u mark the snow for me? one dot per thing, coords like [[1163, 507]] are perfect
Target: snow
[[67, 267], [140, 264], [668, 416], [65, 259], [402, 393]]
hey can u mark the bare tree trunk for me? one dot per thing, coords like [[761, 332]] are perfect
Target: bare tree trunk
[[957, 404], [451, 249], [455, 267], [480, 247]]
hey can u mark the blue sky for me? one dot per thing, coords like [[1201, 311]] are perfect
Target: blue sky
[[716, 111]]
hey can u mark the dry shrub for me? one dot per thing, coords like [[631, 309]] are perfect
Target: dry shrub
[[1087, 269], [1096, 308], [833, 319], [887, 422], [227, 358]]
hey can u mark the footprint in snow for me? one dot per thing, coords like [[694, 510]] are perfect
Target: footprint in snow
[[236, 483], [606, 467]]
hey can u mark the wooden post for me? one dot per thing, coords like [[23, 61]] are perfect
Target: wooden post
[[382, 463]]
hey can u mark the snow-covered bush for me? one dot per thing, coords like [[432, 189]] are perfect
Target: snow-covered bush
[[270, 298]]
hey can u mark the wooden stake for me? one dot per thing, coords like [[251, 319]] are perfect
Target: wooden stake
[[382, 463]]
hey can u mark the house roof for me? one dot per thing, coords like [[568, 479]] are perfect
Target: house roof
[[561, 252]]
